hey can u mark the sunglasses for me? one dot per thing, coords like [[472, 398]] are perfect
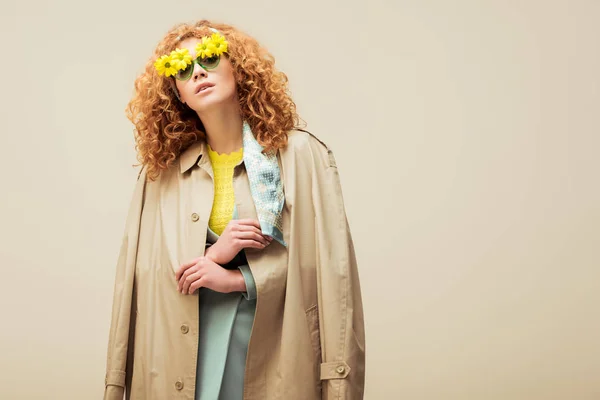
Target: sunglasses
[[207, 63]]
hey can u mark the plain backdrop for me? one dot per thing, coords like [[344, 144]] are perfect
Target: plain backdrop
[[467, 136]]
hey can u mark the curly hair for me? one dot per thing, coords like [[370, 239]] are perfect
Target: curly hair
[[165, 127]]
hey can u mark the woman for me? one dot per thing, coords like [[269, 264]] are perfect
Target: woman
[[237, 276]]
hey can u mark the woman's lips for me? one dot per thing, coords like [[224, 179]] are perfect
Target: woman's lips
[[204, 89]]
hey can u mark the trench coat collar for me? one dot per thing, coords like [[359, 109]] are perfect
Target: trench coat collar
[[192, 155], [197, 154]]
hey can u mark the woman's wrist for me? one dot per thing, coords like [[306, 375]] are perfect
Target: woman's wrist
[[237, 281], [211, 254]]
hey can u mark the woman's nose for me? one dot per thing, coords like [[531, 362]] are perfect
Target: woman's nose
[[199, 71]]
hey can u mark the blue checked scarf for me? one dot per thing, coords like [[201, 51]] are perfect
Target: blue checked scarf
[[265, 185]]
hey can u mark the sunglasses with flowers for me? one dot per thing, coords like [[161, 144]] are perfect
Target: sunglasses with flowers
[[179, 62]]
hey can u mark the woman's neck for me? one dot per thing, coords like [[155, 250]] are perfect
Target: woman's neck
[[223, 129]]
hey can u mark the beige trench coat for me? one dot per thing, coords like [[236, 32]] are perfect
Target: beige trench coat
[[308, 339]]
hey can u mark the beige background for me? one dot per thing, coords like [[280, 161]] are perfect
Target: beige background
[[467, 136]]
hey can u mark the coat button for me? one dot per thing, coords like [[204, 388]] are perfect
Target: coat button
[[195, 217], [340, 369], [185, 329], [179, 384]]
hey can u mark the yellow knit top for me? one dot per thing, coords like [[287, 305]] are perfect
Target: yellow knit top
[[224, 200]]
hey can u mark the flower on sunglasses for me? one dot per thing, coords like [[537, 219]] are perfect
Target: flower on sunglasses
[[206, 48], [181, 58], [165, 65], [220, 43]]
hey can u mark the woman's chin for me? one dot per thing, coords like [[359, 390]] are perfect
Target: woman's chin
[[205, 104], [211, 102]]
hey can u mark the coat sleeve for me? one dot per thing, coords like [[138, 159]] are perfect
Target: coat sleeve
[[120, 340], [250, 292], [341, 321]]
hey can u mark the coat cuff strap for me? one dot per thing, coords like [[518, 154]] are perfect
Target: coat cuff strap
[[334, 370], [115, 377]]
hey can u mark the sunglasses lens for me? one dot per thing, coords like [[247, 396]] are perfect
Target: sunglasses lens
[[184, 74], [210, 62]]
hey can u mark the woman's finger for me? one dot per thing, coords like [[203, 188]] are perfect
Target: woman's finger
[[252, 244], [248, 228], [245, 229], [251, 236], [247, 223], [196, 285], [189, 280], [183, 267], [184, 276]]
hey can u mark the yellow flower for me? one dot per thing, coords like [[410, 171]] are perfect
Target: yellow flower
[[220, 43], [180, 58], [164, 66], [206, 48]]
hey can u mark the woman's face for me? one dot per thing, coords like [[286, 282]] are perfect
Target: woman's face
[[221, 83]]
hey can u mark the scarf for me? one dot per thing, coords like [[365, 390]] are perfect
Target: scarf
[[265, 185]]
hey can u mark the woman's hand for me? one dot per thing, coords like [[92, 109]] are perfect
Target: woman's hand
[[238, 234], [203, 272]]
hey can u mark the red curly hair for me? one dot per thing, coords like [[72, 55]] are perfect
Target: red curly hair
[[165, 127]]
